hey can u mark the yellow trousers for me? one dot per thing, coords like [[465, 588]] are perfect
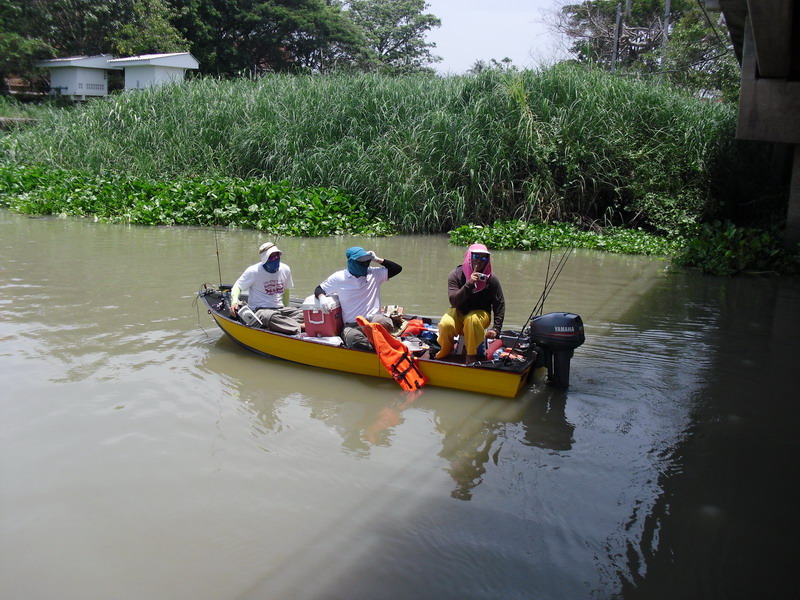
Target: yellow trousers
[[472, 326]]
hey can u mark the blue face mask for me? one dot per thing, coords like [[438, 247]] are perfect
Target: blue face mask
[[272, 266], [359, 269]]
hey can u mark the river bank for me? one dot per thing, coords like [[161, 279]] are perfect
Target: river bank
[[284, 209]]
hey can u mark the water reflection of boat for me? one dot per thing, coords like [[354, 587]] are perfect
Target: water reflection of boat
[[495, 377], [475, 434], [473, 438]]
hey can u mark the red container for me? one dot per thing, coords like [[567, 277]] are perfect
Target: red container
[[322, 324]]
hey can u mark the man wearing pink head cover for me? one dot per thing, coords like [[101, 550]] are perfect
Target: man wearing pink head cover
[[474, 294]]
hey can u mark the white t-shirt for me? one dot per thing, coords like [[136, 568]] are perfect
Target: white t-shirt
[[357, 295], [266, 289]]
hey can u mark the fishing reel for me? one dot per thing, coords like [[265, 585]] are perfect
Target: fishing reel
[[222, 291]]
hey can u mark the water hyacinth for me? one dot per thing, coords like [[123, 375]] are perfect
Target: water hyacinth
[[519, 235], [252, 203]]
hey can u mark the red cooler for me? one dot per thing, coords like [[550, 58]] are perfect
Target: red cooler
[[322, 324]]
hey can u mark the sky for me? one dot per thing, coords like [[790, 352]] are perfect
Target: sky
[[485, 29]]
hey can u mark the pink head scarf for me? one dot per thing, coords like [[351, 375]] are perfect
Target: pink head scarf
[[467, 264]]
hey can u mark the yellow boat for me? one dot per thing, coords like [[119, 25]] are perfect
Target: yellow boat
[[494, 377]]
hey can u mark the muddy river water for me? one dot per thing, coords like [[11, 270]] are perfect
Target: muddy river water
[[143, 455]]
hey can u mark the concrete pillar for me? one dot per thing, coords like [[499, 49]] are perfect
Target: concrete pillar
[[792, 235]]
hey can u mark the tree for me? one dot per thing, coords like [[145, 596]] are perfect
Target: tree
[[684, 47], [394, 33], [18, 56], [150, 30], [75, 27], [700, 58], [34, 29], [592, 25], [228, 37], [18, 52], [207, 24], [232, 36], [321, 38]]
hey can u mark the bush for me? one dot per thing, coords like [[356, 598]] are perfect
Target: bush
[[722, 248]]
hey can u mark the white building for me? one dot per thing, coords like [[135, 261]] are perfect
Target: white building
[[81, 77], [78, 77], [154, 69]]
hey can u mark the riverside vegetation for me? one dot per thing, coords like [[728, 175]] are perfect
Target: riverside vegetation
[[562, 156]]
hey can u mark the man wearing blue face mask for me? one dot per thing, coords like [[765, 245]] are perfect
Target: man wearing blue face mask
[[358, 288], [268, 284]]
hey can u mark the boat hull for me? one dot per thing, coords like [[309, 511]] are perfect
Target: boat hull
[[308, 352]]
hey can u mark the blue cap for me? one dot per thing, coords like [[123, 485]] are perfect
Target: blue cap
[[356, 253]]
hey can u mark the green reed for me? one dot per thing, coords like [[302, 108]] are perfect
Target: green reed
[[12, 108], [426, 153]]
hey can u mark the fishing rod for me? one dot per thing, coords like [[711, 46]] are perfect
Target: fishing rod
[[543, 295], [216, 244], [549, 282]]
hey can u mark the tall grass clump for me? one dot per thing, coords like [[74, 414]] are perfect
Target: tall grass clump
[[430, 154], [622, 150], [12, 108]]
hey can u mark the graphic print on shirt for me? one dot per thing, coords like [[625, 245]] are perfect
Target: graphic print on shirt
[[273, 287]]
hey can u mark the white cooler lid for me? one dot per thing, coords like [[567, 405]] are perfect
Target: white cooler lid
[[310, 302]]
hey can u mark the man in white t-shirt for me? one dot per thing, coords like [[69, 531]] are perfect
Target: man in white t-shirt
[[268, 284], [358, 288]]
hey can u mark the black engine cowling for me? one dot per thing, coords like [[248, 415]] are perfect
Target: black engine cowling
[[557, 335]]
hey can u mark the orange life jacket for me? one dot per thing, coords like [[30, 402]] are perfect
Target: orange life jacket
[[394, 355], [413, 327]]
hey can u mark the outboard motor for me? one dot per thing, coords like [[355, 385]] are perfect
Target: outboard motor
[[557, 335]]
